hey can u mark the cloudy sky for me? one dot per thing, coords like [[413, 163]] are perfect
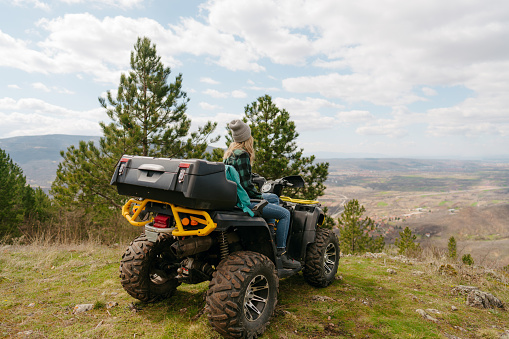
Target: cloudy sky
[[393, 77]]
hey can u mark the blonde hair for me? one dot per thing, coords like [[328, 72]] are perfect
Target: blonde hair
[[247, 146]]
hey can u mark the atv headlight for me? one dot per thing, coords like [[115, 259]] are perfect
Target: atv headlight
[[266, 187]]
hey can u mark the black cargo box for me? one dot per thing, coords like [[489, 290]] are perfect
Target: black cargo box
[[190, 183]]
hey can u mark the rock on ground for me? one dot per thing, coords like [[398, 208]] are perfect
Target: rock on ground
[[482, 299], [478, 298], [426, 315], [82, 308], [462, 289]]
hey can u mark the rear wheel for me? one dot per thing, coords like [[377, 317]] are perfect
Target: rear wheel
[[242, 295], [144, 269], [322, 258]]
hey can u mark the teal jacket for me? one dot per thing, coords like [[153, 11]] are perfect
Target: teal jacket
[[243, 201]]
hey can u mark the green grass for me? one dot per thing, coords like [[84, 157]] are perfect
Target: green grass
[[39, 287], [444, 202], [382, 204]]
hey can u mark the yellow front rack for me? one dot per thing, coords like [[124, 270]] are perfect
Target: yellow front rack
[[180, 231]]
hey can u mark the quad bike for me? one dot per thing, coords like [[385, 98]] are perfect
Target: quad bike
[[194, 232]]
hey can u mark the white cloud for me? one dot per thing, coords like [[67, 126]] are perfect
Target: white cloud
[[63, 90], [429, 91], [196, 38], [13, 86], [221, 118], [216, 94], [354, 88], [42, 107], [125, 4], [18, 124], [395, 127], [16, 53], [209, 81], [40, 86], [265, 27], [313, 121], [298, 106], [239, 94], [30, 116], [223, 95], [473, 117], [207, 106], [306, 113], [354, 116], [264, 89], [390, 128], [101, 47], [35, 3]]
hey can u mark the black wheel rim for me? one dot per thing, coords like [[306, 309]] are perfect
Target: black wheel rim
[[256, 297], [329, 258]]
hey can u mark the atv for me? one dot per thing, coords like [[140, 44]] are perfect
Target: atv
[[194, 232]]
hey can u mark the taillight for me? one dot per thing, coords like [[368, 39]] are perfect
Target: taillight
[[123, 165], [182, 171], [162, 221]]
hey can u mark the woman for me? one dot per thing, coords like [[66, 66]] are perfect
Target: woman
[[240, 155]]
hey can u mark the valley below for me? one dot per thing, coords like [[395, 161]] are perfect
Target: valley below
[[435, 199]]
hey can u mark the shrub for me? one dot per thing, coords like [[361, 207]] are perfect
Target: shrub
[[467, 259], [452, 248]]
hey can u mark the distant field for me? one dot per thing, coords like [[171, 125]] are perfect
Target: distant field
[[435, 199]]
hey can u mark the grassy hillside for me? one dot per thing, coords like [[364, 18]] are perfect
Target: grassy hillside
[[373, 297]]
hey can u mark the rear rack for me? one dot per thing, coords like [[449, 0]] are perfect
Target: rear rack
[[202, 226]]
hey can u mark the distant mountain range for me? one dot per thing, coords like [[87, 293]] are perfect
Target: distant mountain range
[[39, 157]]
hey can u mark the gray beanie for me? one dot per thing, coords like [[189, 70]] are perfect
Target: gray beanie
[[240, 130]]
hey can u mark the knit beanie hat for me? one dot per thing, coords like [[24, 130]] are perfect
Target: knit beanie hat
[[240, 130]]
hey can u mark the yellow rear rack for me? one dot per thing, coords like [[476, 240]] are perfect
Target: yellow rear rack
[[180, 231]]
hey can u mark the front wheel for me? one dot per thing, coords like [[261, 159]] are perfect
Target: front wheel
[[143, 269], [322, 258], [242, 295]]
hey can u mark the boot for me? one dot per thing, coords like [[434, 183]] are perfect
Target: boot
[[286, 261]]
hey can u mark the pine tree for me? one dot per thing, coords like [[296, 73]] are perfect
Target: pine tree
[[354, 230], [277, 154], [12, 189], [19, 200], [148, 117], [452, 248], [328, 222], [406, 242]]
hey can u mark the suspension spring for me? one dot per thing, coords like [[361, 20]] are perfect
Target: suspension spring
[[223, 245]]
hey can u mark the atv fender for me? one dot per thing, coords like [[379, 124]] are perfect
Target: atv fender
[[303, 230], [254, 232]]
